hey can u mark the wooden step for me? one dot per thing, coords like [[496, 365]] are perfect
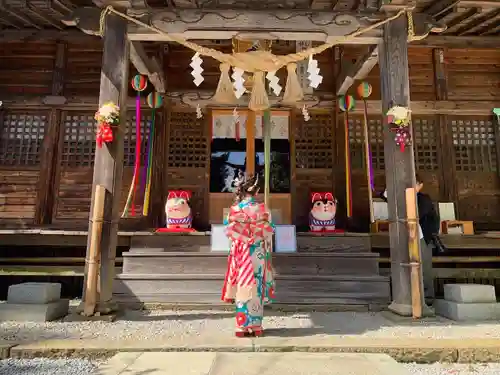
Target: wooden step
[[151, 262], [200, 242], [291, 289]]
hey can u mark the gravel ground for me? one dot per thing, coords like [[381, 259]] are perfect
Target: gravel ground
[[41, 366], [454, 369], [141, 325]]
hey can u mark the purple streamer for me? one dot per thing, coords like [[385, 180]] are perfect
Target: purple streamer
[[370, 169], [146, 164]]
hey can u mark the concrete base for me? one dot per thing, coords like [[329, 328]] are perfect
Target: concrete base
[[34, 313], [470, 293], [467, 311], [251, 364], [407, 311]]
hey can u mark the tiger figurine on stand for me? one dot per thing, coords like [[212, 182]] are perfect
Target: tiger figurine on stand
[[178, 211], [323, 211]]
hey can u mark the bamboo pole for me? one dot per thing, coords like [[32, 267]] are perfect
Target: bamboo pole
[[94, 252], [413, 248]]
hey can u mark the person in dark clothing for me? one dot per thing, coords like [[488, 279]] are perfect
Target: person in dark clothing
[[429, 218]]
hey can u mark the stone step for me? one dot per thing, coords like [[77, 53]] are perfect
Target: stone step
[[470, 293], [467, 311], [34, 293], [147, 262], [296, 289]]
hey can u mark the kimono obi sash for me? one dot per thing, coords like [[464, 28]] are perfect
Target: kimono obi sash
[[248, 223]]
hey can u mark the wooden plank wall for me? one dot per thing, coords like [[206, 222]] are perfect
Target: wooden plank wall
[[46, 152]]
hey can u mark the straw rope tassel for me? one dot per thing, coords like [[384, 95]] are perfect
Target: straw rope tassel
[[147, 191], [348, 191]]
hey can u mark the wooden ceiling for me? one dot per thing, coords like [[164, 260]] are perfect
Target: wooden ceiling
[[464, 18]]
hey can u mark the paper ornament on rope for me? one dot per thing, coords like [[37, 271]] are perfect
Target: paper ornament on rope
[[197, 71], [315, 78], [305, 113], [199, 113], [238, 82], [274, 83]]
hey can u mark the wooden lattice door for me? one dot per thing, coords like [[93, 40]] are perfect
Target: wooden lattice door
[[21, 138]]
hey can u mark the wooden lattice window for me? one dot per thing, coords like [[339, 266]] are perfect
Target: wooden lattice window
[[425, 137], [188, 141], [474, 144], [313, 141], [78, 139], [356, 141], [21, 137]]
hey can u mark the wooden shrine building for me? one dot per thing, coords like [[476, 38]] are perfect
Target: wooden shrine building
[[440, 58]]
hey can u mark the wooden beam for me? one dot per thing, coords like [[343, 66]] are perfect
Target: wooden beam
[[478, 23], [147, 66], [108, 162], [399, 166], [318, 101], [443, 41], [359, 71], [437, 8]]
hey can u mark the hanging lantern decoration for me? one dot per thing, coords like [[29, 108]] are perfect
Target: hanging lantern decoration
[[154, 100], [139, 83], [399, 120], [347, 103], [364, 90]]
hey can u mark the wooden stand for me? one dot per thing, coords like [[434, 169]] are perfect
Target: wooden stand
[[467, 226], [379, 226]]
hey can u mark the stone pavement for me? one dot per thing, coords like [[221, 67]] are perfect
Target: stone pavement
[[250, 364]]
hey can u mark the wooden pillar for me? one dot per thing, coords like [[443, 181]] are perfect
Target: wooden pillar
[[399, 166], [46, 189], [338, 132], [108, 162], [448, 190]]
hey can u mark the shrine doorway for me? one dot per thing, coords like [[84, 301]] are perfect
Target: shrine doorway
[[237, 145]]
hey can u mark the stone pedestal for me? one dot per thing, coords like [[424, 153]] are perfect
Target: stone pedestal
[[465, 302], [34, 302]]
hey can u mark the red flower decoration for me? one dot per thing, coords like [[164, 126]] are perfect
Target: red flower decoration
[[271, 292], [104, 134], [241, 318]]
